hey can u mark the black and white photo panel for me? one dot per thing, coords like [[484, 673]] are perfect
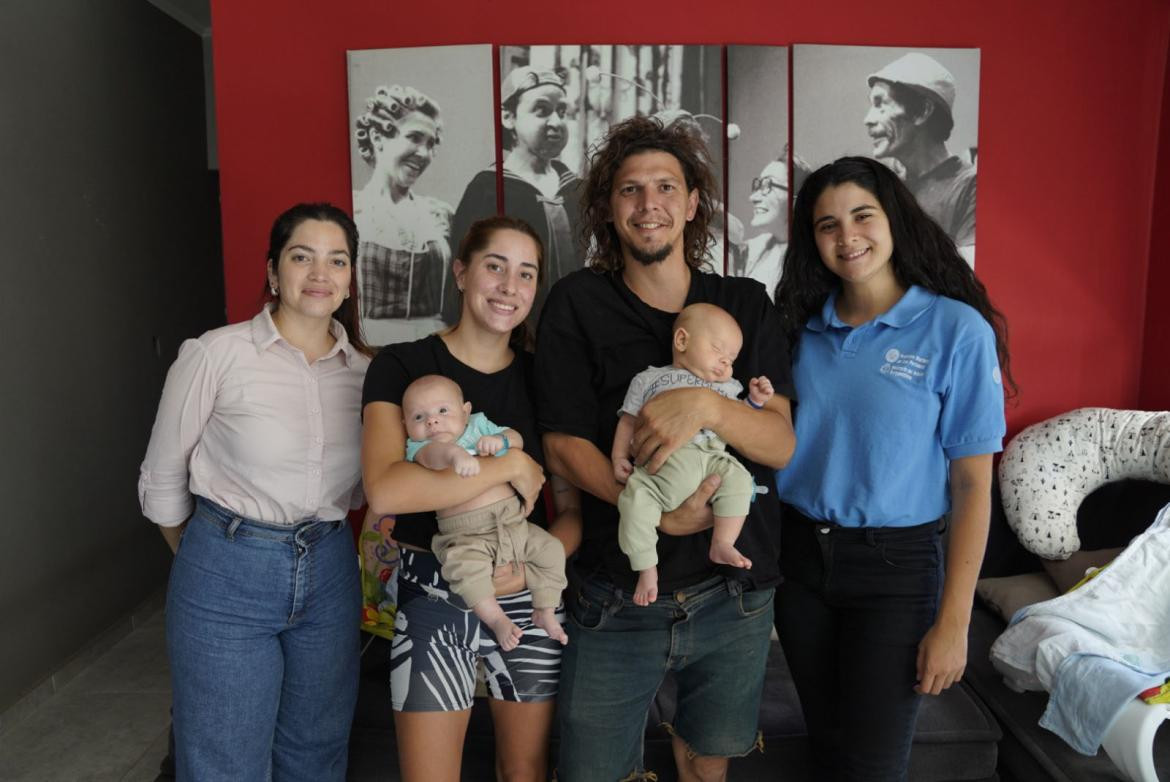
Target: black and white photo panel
[[758, 156], [559, 101], [421, 124], [915, 109]]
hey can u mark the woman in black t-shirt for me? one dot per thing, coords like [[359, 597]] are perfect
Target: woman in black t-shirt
[[438, 639]]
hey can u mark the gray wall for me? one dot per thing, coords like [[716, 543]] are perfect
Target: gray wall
[[111, 240]]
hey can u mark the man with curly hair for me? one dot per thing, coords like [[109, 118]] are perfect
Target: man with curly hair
[[647, 205]]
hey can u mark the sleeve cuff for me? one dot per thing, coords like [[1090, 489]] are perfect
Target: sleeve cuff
[[166, 508], [168, 513], [974, 448]]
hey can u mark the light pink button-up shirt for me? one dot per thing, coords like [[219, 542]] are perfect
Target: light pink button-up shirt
[[248, 423]]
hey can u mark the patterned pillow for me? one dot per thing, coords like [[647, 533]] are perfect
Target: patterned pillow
[[1050, 467]]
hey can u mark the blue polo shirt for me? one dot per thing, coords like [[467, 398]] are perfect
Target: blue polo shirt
[[886, 405]]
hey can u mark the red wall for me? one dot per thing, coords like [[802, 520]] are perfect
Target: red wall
[[1155, 386], [1072, 93]]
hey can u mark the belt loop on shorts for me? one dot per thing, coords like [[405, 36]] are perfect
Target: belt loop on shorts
[[233, 526], [870, 537]]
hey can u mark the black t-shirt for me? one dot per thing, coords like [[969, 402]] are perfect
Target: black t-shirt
[[506, 397], [595, 334]]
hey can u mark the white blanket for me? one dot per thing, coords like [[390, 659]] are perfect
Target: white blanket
[[1096, 648]]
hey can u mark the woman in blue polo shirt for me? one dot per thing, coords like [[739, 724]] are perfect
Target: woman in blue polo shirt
[[897, 369]]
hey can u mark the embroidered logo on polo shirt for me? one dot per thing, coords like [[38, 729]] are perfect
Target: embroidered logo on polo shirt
[[904, 365]]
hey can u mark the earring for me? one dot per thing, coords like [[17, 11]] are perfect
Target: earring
[[346, 295], [273, 289]]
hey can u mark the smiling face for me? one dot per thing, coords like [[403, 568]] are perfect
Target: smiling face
[[892, 130], [707, 340], [404, 158], [853, 235], [539, 121], [770, 199], [650, 206], [312, 274], [433, 409], [499, 281]]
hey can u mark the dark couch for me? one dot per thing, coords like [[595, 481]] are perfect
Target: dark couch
[[1108, 518], [978, 730]]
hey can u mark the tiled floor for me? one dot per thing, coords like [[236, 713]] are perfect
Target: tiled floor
[[109, 723]]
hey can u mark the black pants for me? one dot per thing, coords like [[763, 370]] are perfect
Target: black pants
[[854, 605]]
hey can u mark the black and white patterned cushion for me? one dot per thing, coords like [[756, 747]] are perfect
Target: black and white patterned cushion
[[1050, 467]]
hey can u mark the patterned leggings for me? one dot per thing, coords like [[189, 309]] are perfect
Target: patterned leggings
[[438, 641]]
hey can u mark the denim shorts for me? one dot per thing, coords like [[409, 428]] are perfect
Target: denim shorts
[[438, 641], [713, 637]]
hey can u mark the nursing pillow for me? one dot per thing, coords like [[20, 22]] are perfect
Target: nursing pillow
[[1050, 467]]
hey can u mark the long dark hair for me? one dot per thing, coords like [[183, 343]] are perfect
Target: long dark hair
[[630, 137], [923, 253], [278, 237], [477, 237]]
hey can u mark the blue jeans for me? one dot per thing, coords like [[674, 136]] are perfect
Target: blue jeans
[[712, 636], [853, 607], [262, 636]]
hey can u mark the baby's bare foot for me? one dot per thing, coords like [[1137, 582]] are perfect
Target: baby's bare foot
[[727, 554], [546, 619], [506, 632], [646, 592]]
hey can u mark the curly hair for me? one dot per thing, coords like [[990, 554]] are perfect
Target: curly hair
[[923, 254], [388, 107], [631, 137]]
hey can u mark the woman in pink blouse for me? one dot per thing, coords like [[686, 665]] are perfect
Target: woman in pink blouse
[[251, 468]]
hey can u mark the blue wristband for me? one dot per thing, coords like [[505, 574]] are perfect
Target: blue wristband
[[503, 450], [753, 404]]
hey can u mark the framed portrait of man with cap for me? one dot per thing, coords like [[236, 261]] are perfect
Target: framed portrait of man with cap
[[556, 103], [917, 110]]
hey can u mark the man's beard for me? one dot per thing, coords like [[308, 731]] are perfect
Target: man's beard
[[651, 257]]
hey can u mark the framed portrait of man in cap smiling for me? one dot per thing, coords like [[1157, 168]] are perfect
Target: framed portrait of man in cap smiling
[[556, 103], [916, 110]]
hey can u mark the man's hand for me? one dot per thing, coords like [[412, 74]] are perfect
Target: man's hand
[[695, 514], [668, 422]]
